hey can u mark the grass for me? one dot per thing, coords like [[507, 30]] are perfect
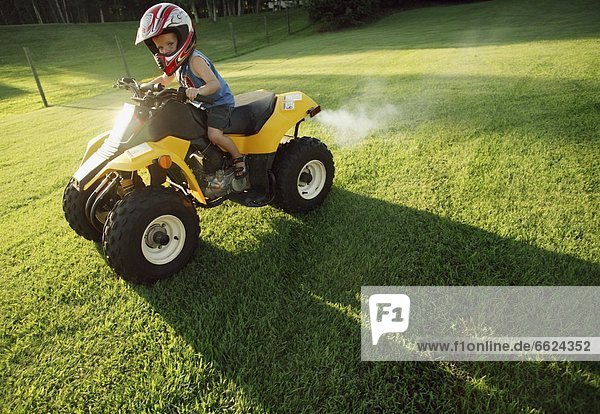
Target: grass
[[84, 60], [486, 174]]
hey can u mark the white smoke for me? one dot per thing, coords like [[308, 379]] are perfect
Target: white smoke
[[368, 113], [352, 125]]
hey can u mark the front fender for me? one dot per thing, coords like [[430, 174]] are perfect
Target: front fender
[[93, 145], [144, 155]]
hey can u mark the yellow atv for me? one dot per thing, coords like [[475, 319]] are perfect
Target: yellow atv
[[139, 184]]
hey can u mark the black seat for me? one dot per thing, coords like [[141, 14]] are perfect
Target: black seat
[[252, 109]]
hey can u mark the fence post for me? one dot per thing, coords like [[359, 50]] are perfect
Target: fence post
[[35, 75], [233, 38], [123, 56], [266, 29], [287, 11]]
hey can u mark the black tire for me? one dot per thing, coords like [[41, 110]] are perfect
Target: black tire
[[135, 229], [295, 190], [74, 209]]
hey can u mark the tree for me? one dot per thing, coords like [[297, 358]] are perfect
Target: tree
[[334, 14]]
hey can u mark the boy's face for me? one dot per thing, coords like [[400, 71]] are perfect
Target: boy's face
[[166, 43]]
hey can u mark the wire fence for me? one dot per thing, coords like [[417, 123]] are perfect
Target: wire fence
[[56, 63]]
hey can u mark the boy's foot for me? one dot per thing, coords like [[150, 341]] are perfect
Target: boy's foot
[[240, 167]]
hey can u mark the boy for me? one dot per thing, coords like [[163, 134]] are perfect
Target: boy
[[167, 31]]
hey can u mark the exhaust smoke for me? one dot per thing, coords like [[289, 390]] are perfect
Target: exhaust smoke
[[351, 124]]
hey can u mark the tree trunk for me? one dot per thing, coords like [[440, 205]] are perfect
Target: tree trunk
[[29, 18], [62, 18], [208, 9], [239, 7], [37, 13], [66, 11], [195, 13], [215, 11], [54, 15], [101, 16]]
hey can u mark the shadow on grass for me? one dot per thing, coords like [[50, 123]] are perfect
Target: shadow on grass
[[281, 320], [91, 108], [10, 91]]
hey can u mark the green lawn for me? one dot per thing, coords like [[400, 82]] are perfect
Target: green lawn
[[485, 171]]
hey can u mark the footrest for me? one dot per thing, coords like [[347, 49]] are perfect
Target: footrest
[[251, 198]]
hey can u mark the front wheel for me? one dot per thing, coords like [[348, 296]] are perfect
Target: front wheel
[[74, 209], [151, 234], [304, 171]]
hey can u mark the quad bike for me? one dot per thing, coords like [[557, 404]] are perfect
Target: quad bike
[[138, 185]]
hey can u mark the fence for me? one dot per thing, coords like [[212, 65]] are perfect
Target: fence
[[81, 60]]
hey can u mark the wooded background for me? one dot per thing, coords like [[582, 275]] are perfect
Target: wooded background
[[333, 13], [97, 11]]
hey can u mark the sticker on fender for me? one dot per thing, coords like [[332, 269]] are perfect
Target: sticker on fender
[[139, 150], [289, 101], [292, 97]]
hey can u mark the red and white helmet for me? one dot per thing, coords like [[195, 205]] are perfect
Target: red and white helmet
[[167, 18]]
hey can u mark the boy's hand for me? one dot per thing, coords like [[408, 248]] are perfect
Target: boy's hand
[[192, 93]]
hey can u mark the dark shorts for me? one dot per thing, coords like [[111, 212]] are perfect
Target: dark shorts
[[218, 116]]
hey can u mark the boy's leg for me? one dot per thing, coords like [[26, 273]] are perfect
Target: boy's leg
[[218, 119], [217, 137]]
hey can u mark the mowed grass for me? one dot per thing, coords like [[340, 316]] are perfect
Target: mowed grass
[[84, 59], [486, 172]]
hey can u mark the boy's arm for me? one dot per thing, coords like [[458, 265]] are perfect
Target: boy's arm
[[164, 79], [202, 70]]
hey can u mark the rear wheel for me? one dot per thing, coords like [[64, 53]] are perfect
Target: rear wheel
[[304, 173], [74, 209], [151, 234]]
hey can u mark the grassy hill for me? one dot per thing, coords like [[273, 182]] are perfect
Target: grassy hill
[[79, 60], [466, 142]]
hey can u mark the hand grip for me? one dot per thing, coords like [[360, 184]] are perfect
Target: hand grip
[[182, 96]]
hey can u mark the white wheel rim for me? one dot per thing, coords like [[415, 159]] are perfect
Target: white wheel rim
[[157, 252], [311, 179]]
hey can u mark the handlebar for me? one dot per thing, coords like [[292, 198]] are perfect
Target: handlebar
[[152, 87], [182, 96], [155, 94]]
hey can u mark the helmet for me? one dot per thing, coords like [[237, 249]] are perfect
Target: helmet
[[167, 18]]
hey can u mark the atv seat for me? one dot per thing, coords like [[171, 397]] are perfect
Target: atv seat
[[252, 109]]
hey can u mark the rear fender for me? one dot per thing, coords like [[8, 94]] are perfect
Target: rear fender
[[290, 108], [144, 155]]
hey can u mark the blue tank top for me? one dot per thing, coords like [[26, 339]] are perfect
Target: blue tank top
[[187, 78]]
